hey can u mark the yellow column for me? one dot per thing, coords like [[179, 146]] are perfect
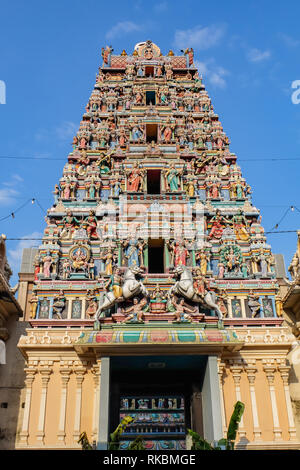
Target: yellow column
[[251, 371], [30, 374], [45, 373], [80, 371], [65, 377], [270, 374], [236, 370], [284, 372], [221, 367], [96, 375]]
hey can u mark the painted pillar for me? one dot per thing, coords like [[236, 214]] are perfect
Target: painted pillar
[[251, 371], [284, 372], [212, 414], [221, 367], [24, 434], [236, 370], [103, 426], [80, 371], [65, 377], [270, 374], [45, 373], [96, 376]]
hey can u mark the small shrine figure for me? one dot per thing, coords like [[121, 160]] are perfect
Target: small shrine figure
[[33, 305], [110, 258], [66, 269], [254, 304], [59, 304], [135, 179], [222, 302], [47, 264], [79, 259], [172, 177], [91, 269], [91, 222], [134, 251], [136, 312], [182, 311], [179, 252], [202, 258], [91, 304]]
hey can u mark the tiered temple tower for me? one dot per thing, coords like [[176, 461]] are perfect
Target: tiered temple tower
[[154, 291]]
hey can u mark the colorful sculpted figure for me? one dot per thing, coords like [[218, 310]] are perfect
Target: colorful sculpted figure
[[33, 305], [172, 178], [114, 283], [254, 304], [59, 304], [91, 223], [133, 251], [109, 259], [200, 284], [70, 223], [47, 264], [135, 179], [182, 311], [240, 226], [203, 259], [79, 259], [136, 314]]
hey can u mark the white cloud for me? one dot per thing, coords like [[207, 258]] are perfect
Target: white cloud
[[256, 55], [160, 7], [288, 40], [8, 196], [15, 255], [123, 27], [66, 130], [213, 73], [199, 37]]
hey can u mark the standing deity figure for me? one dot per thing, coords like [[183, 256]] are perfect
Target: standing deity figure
[[172, 177], [91, 223], [136, 133], [66, 269], [179, 252], [135, 179], [294, 267], [261, 259], [133, 249], [240, 226], [33, 305], [47, 264], [91, 269], [203, 259], [109, 258], [56, 193]]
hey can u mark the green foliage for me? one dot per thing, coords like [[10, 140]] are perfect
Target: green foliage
[[83, 440], [137, 444], [235, 420], [116, 435], [201, 444]]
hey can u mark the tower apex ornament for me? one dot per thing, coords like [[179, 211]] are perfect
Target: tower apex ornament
[[147, 50]]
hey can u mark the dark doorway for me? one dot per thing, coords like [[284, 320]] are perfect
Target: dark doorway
[[151, 133], [156, 255], [153, 181], [150, 97], [149, 71]]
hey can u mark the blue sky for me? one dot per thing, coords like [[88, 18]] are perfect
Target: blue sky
[[248, 53]]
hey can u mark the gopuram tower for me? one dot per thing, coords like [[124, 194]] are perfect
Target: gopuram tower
[[153, 293]]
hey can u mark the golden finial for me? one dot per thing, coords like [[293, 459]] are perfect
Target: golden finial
[[123, 52], [170, 52], [135, 52]]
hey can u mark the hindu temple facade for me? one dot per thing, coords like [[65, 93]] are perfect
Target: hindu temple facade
[[154, 292]]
